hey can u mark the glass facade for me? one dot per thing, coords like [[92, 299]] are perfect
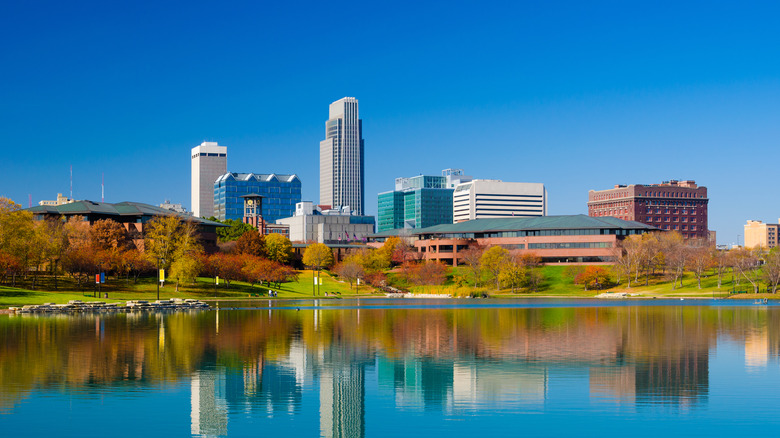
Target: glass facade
[[415, 208], [391, 208], [280, 194]]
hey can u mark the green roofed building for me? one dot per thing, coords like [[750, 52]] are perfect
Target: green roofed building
[[419, 201], [555, 239], [133, 215]]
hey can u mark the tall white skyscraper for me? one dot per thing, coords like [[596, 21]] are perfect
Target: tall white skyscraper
[[209, 162], [341, 157]]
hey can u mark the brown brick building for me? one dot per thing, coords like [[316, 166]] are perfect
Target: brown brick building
[[672, 205]]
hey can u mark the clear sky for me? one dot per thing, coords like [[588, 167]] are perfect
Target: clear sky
[[576, 95]]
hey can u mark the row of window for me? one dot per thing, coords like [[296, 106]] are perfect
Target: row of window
[[567, 245], [668, 219], [531, 233]]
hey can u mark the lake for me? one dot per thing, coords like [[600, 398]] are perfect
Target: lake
[[376, 367]]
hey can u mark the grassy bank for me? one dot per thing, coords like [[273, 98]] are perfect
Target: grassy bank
[[555, 284], [146, 289]]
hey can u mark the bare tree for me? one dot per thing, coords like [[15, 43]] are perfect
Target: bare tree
[[700, 258], [771, 271], [675, 253], [472, 257], [746, 261], [720, 261]]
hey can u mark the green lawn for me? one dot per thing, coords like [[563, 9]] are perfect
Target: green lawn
[[146, 289], [555, 284]]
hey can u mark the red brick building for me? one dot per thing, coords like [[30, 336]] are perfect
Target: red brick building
[[672, 205]]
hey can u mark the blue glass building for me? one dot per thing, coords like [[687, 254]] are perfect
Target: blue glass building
[[280, 192]]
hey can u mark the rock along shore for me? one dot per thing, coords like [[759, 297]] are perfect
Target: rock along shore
[[75, 306]]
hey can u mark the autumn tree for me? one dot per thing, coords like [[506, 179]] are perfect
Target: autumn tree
[[405, 252], [9, 266], [160, 239], [184, 269], [493, 261], [513, 272], [17, 232], [428, 273], [720, 261], [318, 256], [252, 243], [278, 248], [594, 277], [107, 234], [229, 267]]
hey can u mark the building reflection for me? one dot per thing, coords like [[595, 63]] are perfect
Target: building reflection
[[208, 414], [444, 360]]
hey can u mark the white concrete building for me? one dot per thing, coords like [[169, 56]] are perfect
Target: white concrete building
[[310, 224], [209, 162], [485, 199], [341, 157]]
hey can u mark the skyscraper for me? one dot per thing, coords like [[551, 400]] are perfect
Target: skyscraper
[[209, 162], [341, 157]]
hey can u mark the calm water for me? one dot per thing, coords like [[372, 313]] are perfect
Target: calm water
[[389, 368]]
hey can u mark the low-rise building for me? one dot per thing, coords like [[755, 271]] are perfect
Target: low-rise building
[[488, 199], [313, 224], [61, 200], [132, 215], [760, 234], [556, 239], [178, 208]]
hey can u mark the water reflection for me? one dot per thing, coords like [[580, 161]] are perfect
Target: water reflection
[[261, 364]]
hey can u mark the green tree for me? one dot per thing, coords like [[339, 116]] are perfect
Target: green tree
[[278, 248], [234, 231]]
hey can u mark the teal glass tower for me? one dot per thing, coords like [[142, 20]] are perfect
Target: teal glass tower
[[419, 201]]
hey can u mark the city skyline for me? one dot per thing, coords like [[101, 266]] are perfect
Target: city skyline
[[578, 97]]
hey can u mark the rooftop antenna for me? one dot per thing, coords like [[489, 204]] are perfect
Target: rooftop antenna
[[71, 182], [102, 187], [29, 200]]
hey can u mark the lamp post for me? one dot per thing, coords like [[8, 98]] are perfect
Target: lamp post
[[158, 276]]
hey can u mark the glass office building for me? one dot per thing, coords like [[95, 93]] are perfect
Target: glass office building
[[419, 201], [280, 194]]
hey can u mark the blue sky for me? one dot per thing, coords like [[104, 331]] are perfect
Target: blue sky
[[576, 95]]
